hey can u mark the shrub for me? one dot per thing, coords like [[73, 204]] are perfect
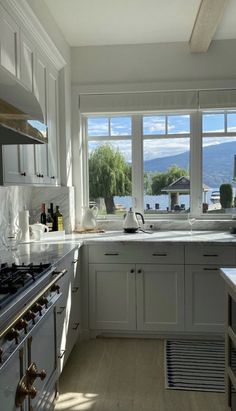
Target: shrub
[[226, 195]]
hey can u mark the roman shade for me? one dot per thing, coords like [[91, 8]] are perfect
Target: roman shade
[[156, 101], [137, 102], [213, 99]]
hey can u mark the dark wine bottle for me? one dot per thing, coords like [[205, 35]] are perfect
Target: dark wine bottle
[[49, 220], [43, 214]]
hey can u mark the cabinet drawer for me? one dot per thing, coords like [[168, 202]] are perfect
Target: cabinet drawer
[[210, 254], [136, 253]]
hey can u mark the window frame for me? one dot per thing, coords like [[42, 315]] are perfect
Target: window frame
[[137, 137]]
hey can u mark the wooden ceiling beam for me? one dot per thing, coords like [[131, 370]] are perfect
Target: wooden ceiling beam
[[208, 17]]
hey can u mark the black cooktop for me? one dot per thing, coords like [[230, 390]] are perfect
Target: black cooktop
[[16, 278]]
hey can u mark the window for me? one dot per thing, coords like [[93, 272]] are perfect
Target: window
[[110, 163], [219, 153], [143, 161], [166, 147]]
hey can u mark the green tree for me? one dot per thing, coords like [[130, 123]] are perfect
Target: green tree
[[109, 175], [163, 179]]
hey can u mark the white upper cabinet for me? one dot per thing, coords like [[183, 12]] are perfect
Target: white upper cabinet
[[12, 165], [27, 62], [53, 125], [40, 90], [36, 163], [9, 42], [27, 77]]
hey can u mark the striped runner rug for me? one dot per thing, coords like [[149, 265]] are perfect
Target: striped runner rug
[[194, 365]]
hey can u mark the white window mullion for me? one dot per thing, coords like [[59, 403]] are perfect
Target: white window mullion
[[137, 164], [195, 165]]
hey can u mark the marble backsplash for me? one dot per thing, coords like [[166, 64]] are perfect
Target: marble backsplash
[[16, 198]]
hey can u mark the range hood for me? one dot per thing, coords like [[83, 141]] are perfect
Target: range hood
[[21, 117]]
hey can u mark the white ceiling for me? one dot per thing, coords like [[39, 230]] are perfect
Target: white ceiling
[[107, 22]]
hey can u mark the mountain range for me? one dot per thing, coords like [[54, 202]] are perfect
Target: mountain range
[[218, 163]]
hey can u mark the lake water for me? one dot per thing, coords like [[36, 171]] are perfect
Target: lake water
[[162, 200]]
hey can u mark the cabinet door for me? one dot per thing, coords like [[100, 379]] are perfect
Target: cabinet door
[[52, 114], [12, 164], [112, 297], [40, 90], [68, 309], [74, 322], [10, 375], [160, 297], [42, 351], [9, 43], [204, 296]]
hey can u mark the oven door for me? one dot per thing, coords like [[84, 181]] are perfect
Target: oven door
[[10, 375], [42, 354]]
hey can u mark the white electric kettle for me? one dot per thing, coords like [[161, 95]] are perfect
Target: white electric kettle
[[89, 218], [131, 224]]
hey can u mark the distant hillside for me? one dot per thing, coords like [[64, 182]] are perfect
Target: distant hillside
[[218, 162]]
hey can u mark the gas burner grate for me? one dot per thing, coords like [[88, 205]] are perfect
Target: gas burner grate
[[16, 278]]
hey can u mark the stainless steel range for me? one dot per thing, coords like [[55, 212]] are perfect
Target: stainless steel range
[[28, 363]]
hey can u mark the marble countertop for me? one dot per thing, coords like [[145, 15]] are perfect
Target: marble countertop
[[229, 275], [37, 252], [183, 237], [53, 250]]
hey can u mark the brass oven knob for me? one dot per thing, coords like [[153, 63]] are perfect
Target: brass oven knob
[[22, 324], [13, 334], [56, 288], [44, 301], [33, 373], [30, 316], [37, 308]]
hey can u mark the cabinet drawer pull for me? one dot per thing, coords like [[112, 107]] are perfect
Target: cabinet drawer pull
[[132, 271], [159, 254], [62, 309], [210, 269], [75, 289], [139, 271], [75, 326], [210, 255], [111, 253], [62, 354]]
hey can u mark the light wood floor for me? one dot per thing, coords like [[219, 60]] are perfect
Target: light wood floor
[[125, 375]]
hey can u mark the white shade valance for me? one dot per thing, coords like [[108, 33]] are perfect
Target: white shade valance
[[137, 102], [217, 99], [156, 101]]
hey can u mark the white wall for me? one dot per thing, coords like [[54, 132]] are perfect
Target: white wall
[[153, 66]]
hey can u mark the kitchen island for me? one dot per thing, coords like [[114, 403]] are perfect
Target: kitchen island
[[229, 276]]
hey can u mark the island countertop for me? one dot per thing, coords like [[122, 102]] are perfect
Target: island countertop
[[229, 275]]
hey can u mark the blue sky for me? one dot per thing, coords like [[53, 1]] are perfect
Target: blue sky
[[158, 125]]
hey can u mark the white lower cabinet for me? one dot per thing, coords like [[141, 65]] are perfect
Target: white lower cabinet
[[68, 308], [160, 297], [204, 298], [136, 297], [169, 288], [112, 296]]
